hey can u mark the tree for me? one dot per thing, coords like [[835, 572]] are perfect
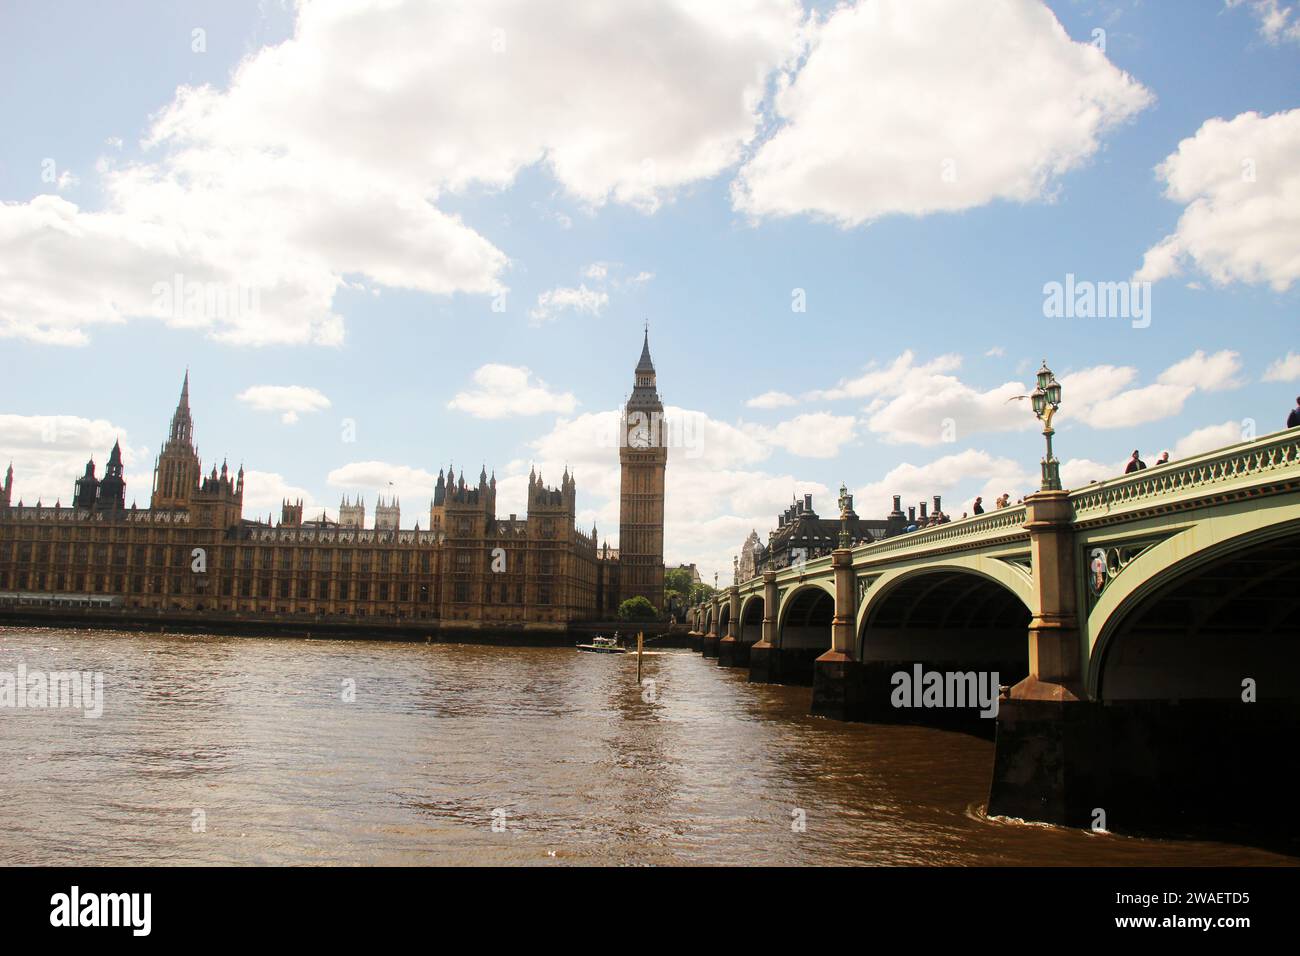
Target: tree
[[677, 589], [637, 609], [701, 594], [678, 579]]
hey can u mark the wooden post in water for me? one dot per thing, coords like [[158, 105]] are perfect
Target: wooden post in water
[[640, 644]]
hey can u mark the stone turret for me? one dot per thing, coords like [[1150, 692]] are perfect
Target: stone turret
[[112, 488], [87, 488], [290, 512], [352, 514], [388, 514]]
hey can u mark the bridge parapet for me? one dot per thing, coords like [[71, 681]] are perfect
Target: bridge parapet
[[1245, 469]]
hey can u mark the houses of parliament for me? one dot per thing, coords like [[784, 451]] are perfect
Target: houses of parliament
[[192, 550]]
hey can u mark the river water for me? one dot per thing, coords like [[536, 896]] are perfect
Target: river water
[[234, 750]]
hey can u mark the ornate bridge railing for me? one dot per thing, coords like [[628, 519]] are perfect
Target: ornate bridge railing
[[967, 532], [1270, 463]]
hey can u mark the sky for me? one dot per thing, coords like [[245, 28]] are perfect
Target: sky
[[389, 237]]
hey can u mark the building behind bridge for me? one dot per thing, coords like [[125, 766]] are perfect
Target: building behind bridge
[[801, 534]]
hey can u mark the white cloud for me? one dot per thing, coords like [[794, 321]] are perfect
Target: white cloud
[[1278, 21], [1207, 439], [816, 435], [597, 270], [1240, 184], [372, 478], [917, 483], [890, 380], [1286, 369], [1100, 396], [908, 106], [49, 453], [922, 405], [1136, 406], [326, 155], [506, 391], [289, 400], [1078, 472], [266, 491], [1213, 373], [582, 300], [772, 400]]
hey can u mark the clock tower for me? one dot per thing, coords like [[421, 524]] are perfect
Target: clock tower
[[643, 457]]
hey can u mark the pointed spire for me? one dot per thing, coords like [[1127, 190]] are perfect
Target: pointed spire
[[645, 364], [182, 429]]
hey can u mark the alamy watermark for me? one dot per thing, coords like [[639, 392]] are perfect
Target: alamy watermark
[[42, 690], [946, 689], [646, 430], [193, 300], [1083, 299], [75, 908]]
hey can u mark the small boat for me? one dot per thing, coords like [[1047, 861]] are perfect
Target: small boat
[[603, 645]]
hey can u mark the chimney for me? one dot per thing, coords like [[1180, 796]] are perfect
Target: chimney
[[911, 514], [898, 504], [923, 510], [937, 509], [807, 502]]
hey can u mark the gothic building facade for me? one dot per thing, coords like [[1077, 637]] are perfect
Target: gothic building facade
[[192, 550]]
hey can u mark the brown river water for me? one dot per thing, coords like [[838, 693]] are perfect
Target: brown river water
[[457, 754]]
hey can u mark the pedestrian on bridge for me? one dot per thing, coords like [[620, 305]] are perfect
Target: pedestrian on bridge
[[978, 507], [1134, 464], [1293, 420]]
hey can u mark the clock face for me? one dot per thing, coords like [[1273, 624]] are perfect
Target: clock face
[[638, 432]]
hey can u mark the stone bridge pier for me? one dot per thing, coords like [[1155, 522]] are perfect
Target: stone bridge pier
[[709, 643], [762, 654], [732, 651]]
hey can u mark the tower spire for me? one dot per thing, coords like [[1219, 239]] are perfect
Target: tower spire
[[182, 429], [645, 364]]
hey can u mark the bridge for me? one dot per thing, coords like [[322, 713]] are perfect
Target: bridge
[[1145, 631]]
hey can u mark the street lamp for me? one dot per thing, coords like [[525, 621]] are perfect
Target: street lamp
[[844, 515], [1047, 399]]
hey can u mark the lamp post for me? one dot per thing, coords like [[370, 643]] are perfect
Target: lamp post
[[1047, 399], [844, 515]]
